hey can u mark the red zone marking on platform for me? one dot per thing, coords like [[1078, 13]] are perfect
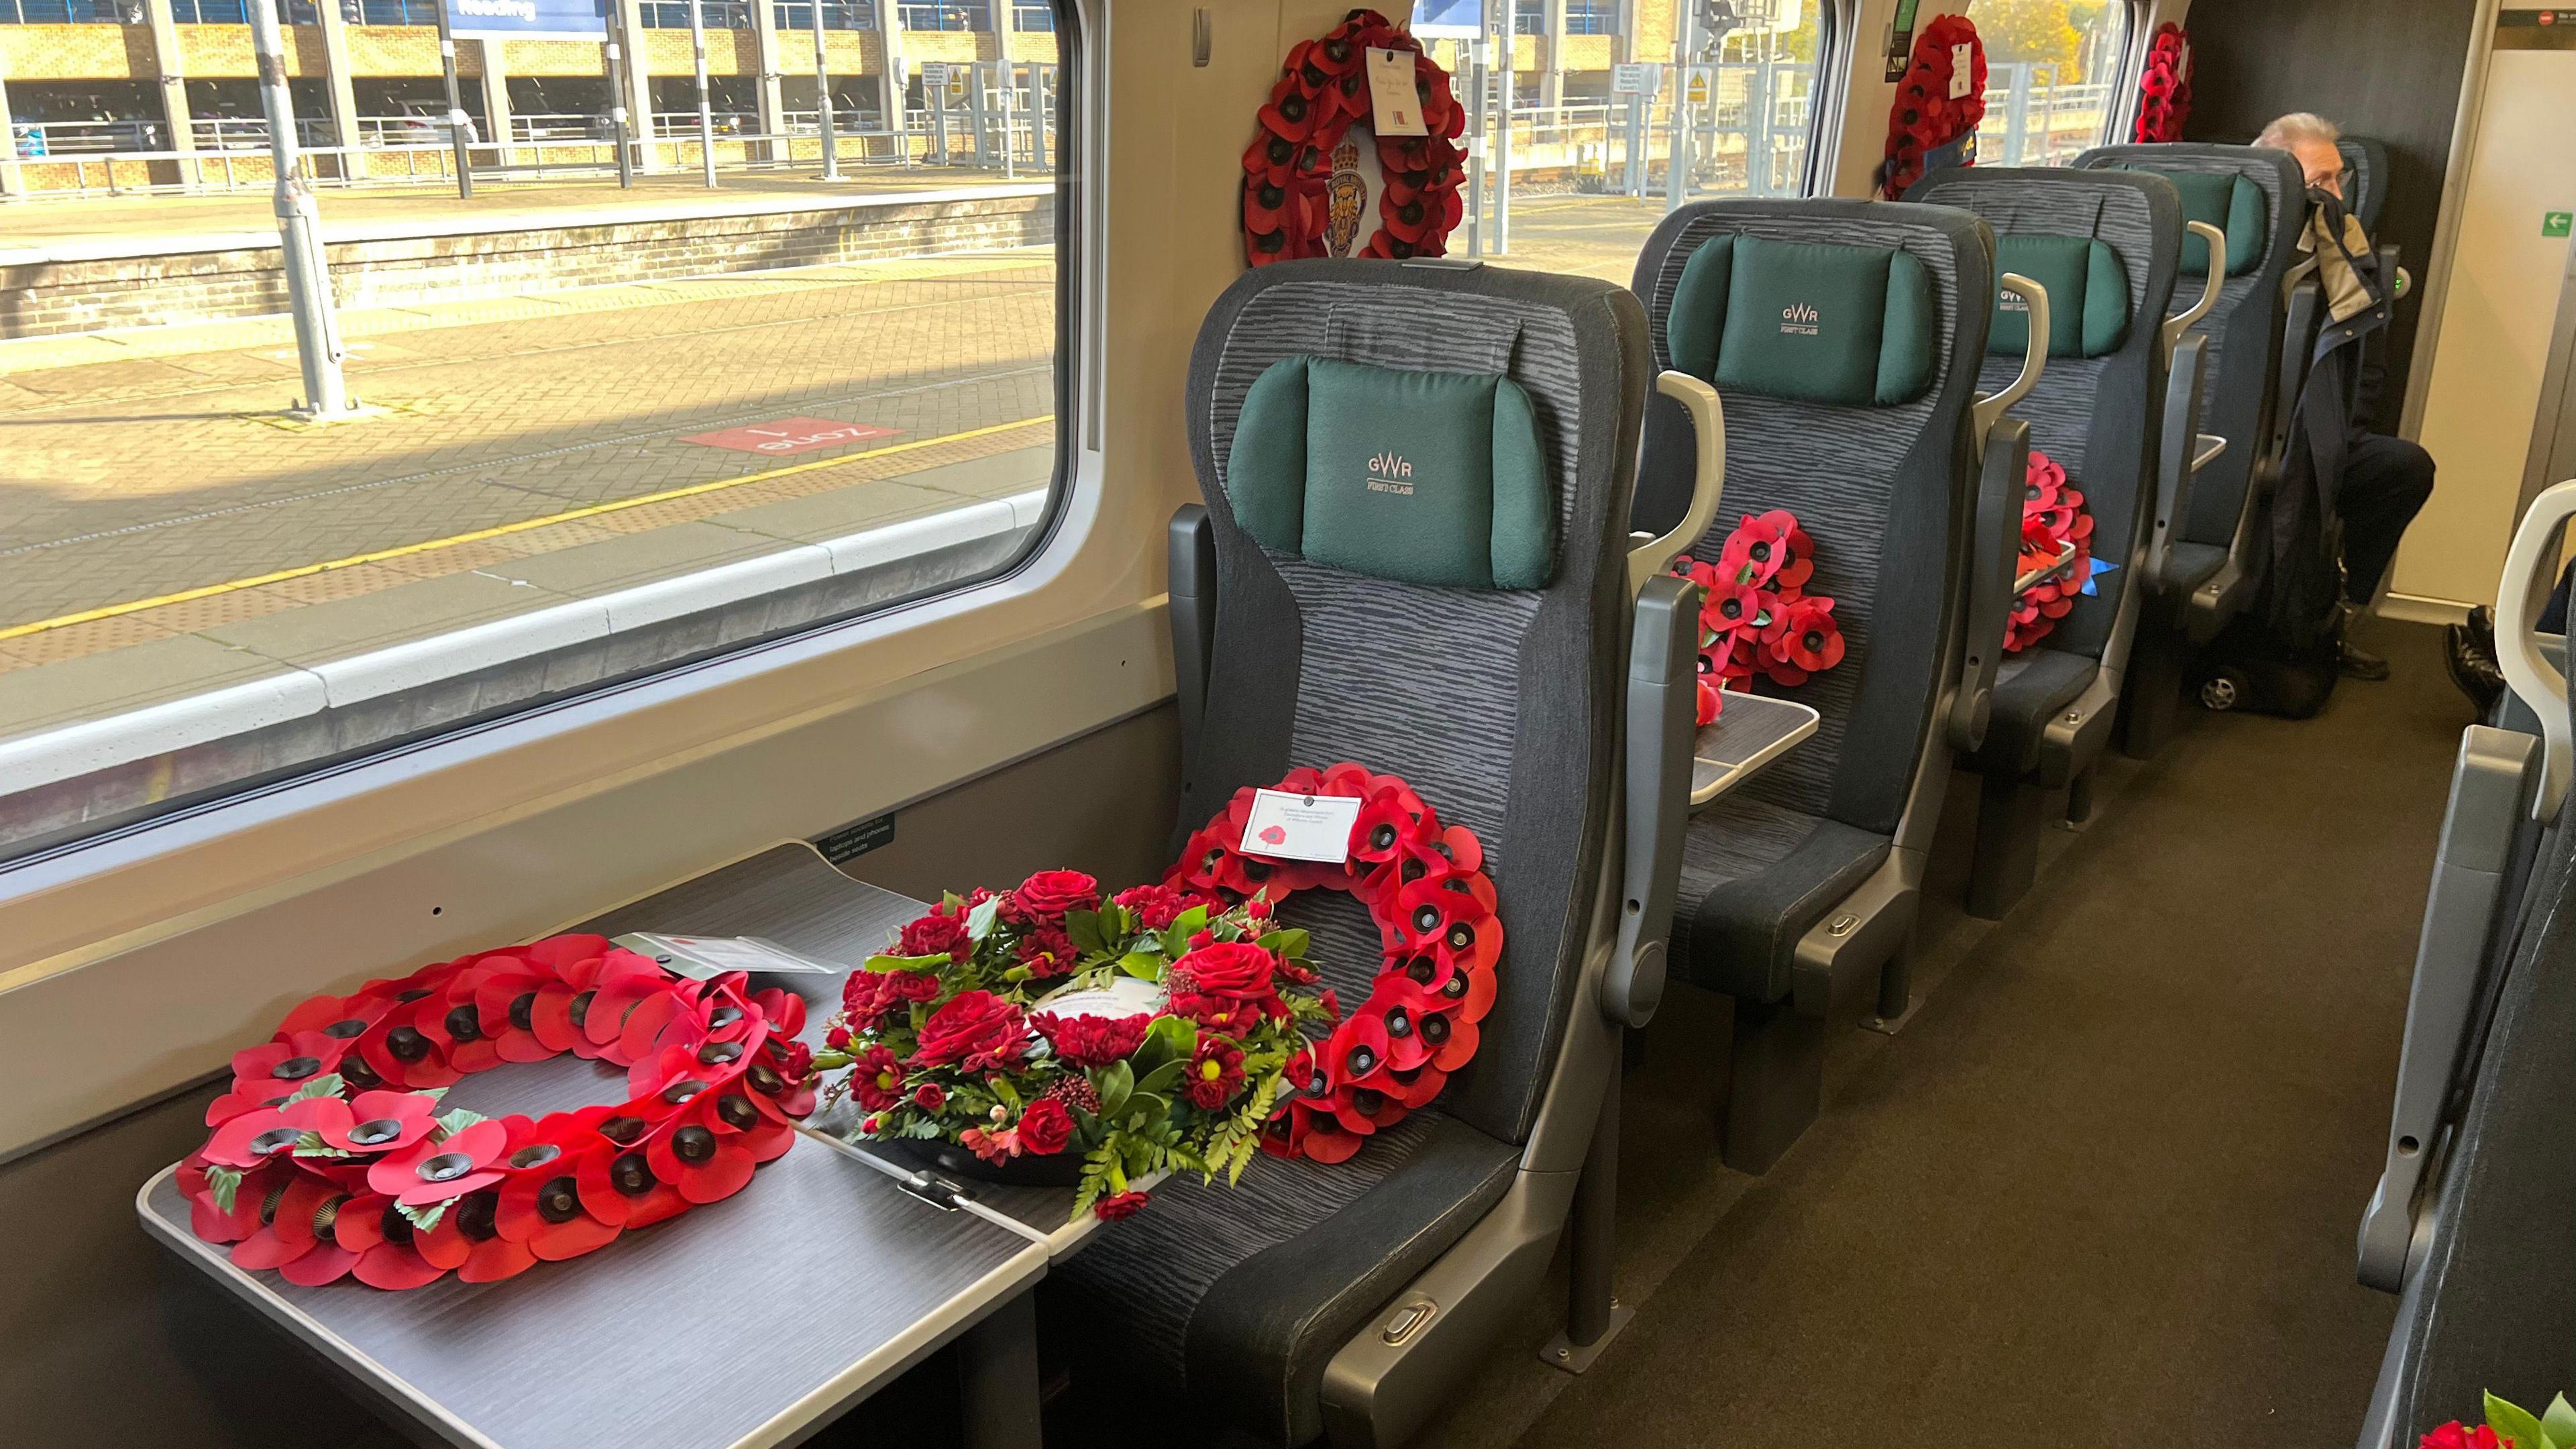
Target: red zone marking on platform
[[790, 435]]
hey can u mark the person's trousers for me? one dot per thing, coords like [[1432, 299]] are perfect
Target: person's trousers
[[2385, 483]]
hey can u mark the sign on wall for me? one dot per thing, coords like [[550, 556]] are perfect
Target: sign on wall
[[529, 19]]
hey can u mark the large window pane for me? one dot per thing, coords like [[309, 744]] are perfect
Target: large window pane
[[609, 431], [2052, 68], [1591, 168]]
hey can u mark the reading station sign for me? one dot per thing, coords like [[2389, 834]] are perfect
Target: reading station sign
[[529, 19]]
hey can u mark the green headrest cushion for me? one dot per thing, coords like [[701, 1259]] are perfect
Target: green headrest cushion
[[2088, 295], [1428, 477], [2227, 201], [1805, 320]]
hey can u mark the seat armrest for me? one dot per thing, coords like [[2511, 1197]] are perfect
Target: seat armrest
[[1998, 548], [1858, 935], [2176, 455], [1663, 695], [1191, 546], [2303, 303], [2491, 791]]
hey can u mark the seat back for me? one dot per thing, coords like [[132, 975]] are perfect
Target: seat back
[[2365, 180], [1844, 338], [2256, 196], [1468, 633], [2106, 245]]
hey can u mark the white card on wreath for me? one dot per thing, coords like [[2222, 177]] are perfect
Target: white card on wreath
[[1394, 108], [703, 958], [1285, 825]]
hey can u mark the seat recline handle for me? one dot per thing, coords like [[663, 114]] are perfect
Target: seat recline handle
[[2034, 358], [2177, 458], [1996, 549], [2211, 283], [2530, 572], [1652, 556]]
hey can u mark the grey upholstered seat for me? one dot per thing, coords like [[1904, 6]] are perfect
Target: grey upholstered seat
[[2257, 197], [2094, 411], [2365, 180], [1500, 705], [1886, 490]]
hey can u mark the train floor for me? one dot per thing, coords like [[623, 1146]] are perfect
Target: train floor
[[2104, 1187]]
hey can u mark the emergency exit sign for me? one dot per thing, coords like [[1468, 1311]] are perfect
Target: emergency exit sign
[[2555, 223]]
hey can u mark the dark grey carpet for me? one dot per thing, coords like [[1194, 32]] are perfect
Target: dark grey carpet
[[2104, 1189]]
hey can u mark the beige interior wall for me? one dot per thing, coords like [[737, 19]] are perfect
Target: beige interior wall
[[2492, 347]]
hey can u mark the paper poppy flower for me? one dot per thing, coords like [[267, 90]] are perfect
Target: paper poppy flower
[[451, 1021], [542, 1207], [1806, 634], [435, 1171], [505, 1004], [251, 1138], [379, 1121], [702, 1151], [369, 1226]]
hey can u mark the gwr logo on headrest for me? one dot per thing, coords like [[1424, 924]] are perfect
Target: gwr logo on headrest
[[1799, 319], [2014, 302], [1390, 472]]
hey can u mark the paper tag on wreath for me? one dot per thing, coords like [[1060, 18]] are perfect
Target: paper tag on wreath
[[1288, 826], [1394, 108], [703, 958], [1963, 70]]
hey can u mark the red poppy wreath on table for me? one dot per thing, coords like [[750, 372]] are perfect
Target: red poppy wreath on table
[[1756, 618], [1305, 187], [1925, 118], [1176, 1026], [331, 1156], [2053, 522]]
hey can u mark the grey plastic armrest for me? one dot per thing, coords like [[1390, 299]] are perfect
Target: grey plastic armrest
[[2174, 462], [1192, 559], [1663, 692], [1997, 550], [2491, 791], [2304, 303]]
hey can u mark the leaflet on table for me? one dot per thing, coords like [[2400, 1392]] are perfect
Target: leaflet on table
[[702, 958]]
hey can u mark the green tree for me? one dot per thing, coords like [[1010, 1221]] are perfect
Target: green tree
[[2021, 32]]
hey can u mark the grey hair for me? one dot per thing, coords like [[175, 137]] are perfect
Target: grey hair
[[2299, 126]]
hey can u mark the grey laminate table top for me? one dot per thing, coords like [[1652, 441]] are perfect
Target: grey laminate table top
[[1749, 733], [745, 1323]]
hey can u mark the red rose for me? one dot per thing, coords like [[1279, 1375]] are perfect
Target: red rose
[[936, 935], [976, 1030], [2454, 1435], [1122, 1205], [929, 1098], [1157, 905], [1091, 1041], [1047, 895], [1239, 969], [911, 985], [878, 1079], [838, 1038], [1045, 1127]]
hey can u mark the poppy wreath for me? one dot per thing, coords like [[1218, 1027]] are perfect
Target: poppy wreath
[[1756, 618], [1923, 117], [1288, 169], [1439, 923], [331, 1157], [2052, 517], [2164, 87]]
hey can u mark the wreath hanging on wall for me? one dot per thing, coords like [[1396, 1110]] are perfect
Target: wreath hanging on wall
[[1926, 121], [1306, 189], [331, 1157], [2164, 88]]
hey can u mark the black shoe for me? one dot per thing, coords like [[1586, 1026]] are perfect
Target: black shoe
[[2359, 663], [2481, 629], [2472, 667]]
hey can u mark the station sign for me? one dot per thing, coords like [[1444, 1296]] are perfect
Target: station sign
[[528, 19], [1636, 78]]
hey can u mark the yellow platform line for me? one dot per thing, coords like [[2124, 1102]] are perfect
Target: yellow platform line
[[208, 591]]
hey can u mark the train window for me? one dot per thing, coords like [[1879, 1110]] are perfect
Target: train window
[[2052, 77], [1728, 85], [669, 383]]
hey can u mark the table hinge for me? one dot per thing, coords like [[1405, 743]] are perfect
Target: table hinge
[[939, 1192]]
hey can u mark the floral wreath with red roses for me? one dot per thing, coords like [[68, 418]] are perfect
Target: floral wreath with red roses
[[1167, 1028], [1756, 618], [1288, 170], [331, 1157], [2164, 87], [1924, 118], [2056, 539]]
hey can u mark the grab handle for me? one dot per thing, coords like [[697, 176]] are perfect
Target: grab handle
[[1708, 427], [2530, 572], [2181, 322], [2034, 354]]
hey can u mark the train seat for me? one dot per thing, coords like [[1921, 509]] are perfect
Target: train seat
[[2256, 198], [1807, 879], [2365, 180], [2106, 245], [1482, 654]]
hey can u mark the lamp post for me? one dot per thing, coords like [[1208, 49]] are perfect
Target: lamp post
[[823, 98], [299, 232], [706, 116], [455, 104]]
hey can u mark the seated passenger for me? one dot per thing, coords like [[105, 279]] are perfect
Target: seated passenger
[[2385, 480]]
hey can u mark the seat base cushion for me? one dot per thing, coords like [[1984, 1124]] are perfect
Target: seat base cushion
[[1238, 1297], [2030, 689], [2194, 564], [1755, 877]]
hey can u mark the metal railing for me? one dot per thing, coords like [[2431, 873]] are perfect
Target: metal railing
[[837, 15], [2033, 119], [973, 16], [250, 133]]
